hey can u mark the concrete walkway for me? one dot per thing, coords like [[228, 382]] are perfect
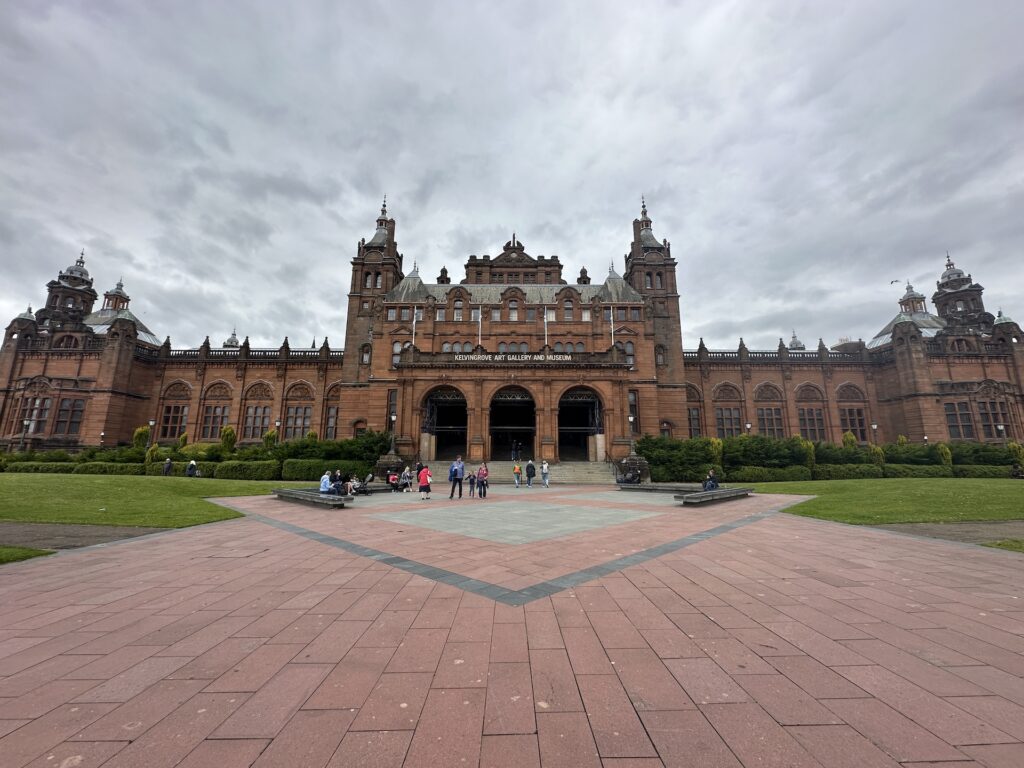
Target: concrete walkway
[[562, 627]]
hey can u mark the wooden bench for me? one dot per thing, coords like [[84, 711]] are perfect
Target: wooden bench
[[313, 496], [702, 497]]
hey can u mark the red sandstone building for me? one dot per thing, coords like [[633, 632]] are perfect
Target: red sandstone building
[[512, 353]]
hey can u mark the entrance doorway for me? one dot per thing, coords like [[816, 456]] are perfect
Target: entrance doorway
[[444, 423], [513, 420], [579, 420]]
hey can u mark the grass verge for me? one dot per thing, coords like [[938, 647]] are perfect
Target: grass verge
[[156, 502], [908, 500], [14, 554], [1014, 545]]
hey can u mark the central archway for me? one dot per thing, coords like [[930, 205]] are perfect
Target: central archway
[[443, 432], [579, 423], [513, 420]]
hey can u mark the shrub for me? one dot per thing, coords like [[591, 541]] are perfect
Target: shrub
[[313, 469], [901, 440], [944, 454], [849, 440], [269, 438], [206, 468], [761, 451], [982, 470], [182, 439], [228, 438], [846, 471], [109, 468], [982, 453], [792, 473], [908, 453], [916, 470], [140, 437], [876, 455], [56, 455], [1016, 452], [248, 470], [826, 453], [52, 467]]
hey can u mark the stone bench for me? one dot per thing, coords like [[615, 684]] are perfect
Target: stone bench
[[313, 496], [702, 497]]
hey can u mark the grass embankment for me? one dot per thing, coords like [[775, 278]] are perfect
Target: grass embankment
[[1014, 545], [153, 502], [909, 500], [14, 554]]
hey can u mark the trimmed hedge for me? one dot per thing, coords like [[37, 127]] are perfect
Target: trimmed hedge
[[768, 474], [683, 473], [206, 468], [846, 471], [52, 467], [109, 468], [248, 470], [982, 470], [916, 470], [313, 469]]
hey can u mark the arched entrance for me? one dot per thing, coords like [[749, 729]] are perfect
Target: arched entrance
[[513, 420], [443, 432], [579, 423]]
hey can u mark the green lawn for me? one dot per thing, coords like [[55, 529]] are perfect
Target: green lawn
[[1014, 545], [156, 502], [908, 500], [14, 554]]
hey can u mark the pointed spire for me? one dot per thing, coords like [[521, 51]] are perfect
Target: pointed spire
[[415, 270], [384, 207], [643, 208], [949, 261], [81, 259]]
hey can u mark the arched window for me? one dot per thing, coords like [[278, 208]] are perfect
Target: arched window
[[457, 310], [257, 411], [567, 313], [298, 412], [216, 411], [446, 347], [377, 281], [368, 282], [467, 347], [579, 346], [629, 353], [558, 347], [523, 347], [396, 352], [513, 310], [502, 348], [648, 281], [658, 282], [364, 354], [659, 355]]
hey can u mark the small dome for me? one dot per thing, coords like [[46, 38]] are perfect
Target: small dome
[[232, 341], [1001, 318], [795, 343], [912, 294], [951, 273], [78, 268], [27, 315], [117, 290]]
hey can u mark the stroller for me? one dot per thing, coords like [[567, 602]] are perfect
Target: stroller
[[362, 487]]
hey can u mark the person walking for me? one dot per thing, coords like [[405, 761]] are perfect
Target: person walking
[[192, 468], [531, 472], [424, 480], [455, 474], [168, 467], [545, 473], [481, 481], [517, 473], [471, 479]]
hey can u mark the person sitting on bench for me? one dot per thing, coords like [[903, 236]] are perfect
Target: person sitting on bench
[[325, 484], [711, 481]]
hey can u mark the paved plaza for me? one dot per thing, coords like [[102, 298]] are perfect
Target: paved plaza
[[575, 626]]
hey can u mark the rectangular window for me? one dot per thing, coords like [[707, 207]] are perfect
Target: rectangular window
[[499, 277], [297, 421], [693, 417], [549, 313], [257, 422], [727, 422], [392, 409], [405, 313], [69, 417], [439, 316], [331, 429], [495, 315], [513, 314], [474, 314], [37, 411], [457, 315], [419, 314], [567, 313], [529, 278], [959, 422], [608, 314], [585, 314], [620, 313], [531, 314], [852, 420], [634, 313], [392, 313], [174, 421], [769, 422], [991, 414], [812, 424], [214, 418], [634, 412]]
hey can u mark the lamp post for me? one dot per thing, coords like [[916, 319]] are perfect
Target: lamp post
[[926, 441], [748, 426], [277, 429], [152, 428], [25, 424], [632, 446], [1001, 428], [394, 418], [874, 432], [103, 437]]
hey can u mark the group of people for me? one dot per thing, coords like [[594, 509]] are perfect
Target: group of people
[[531, 472], [336, 484], [478, 481]]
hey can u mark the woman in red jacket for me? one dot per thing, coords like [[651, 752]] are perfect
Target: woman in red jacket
[[424, 481]]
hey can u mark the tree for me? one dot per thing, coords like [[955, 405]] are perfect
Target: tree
[[849, 440], [183, 439], [228, 438], [140, 437]]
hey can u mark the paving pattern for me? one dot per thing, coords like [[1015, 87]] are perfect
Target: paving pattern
[[640, 635]]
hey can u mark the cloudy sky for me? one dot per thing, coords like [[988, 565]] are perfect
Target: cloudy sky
[[226, 158]]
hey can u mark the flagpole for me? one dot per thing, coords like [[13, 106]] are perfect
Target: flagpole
[[414, 326], [480, 326], [545, 308]]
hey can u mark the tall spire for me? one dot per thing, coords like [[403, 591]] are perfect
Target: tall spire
[[384, 207], [81, 259], [643, 208], [949, 261]]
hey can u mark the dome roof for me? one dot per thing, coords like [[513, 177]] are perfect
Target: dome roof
[[231, 342], [912, 294], [951, 273], [117, 290], [927, 323], [78, 268], [1001, 318], [795, 343], [26, 315]]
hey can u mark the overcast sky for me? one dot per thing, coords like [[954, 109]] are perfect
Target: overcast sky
[[226, 158]]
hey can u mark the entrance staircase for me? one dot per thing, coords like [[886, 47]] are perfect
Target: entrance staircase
[[565, 473]]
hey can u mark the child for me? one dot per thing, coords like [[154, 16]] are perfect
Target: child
[[471, 479]]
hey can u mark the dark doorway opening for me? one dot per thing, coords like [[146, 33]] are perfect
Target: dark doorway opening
[[513, 421], [445, 418], [579, 418]]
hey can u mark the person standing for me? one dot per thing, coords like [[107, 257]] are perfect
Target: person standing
[[531, 472], [517, 473], [471, 479], [191, 469], [168, 467], [481, 480], [424, 481], [545, 473], [455, 474]]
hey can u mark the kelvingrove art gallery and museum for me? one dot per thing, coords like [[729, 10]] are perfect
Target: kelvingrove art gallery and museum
[[513, 352]]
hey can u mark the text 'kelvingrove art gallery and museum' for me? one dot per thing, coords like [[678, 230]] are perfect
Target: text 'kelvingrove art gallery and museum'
[[512, 353]]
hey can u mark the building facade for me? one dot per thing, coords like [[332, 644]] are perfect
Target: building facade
[[511, 354]]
